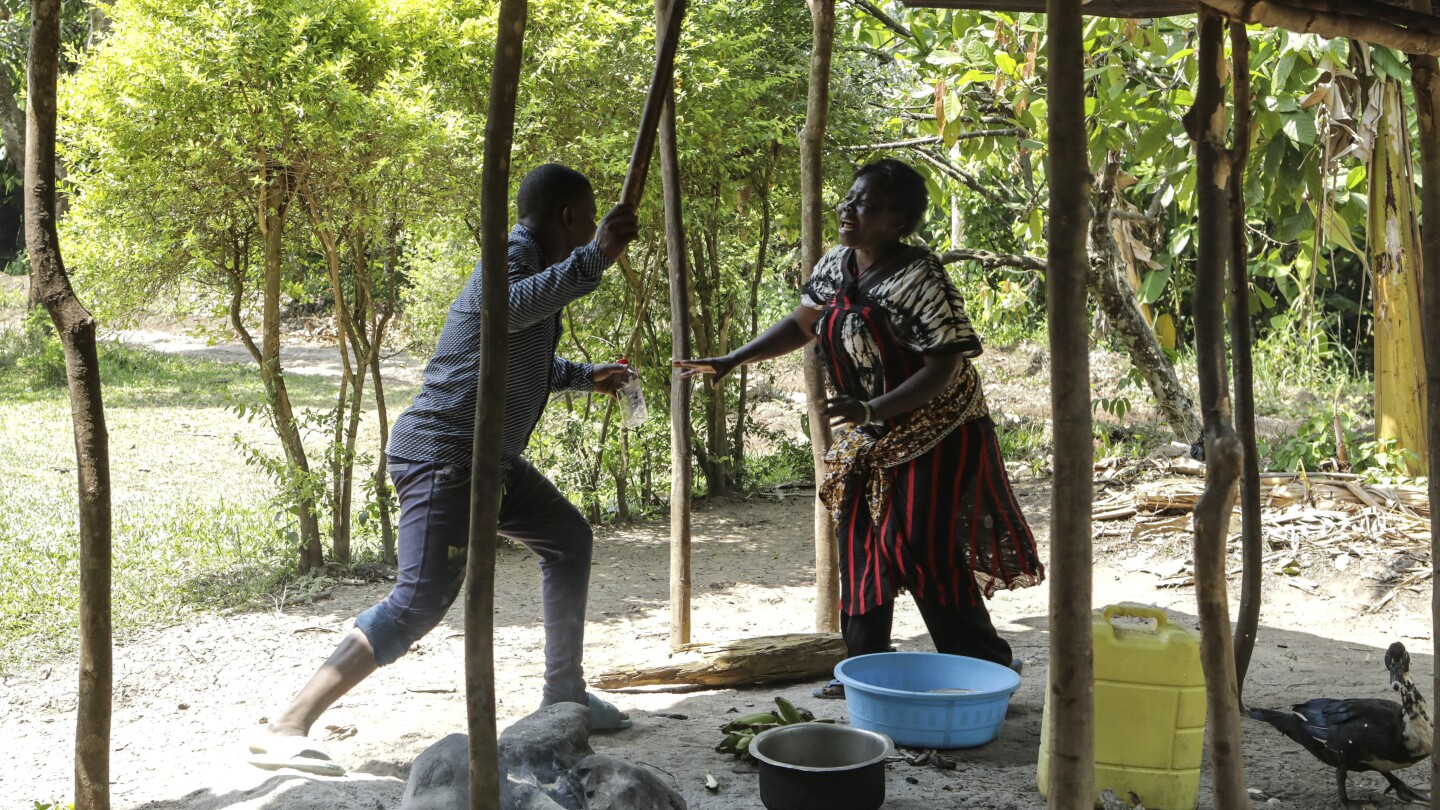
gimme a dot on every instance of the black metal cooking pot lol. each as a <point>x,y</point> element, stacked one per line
<point>819,766</point>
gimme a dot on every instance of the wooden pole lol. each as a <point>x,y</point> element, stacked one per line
<point>1223,451</point>
<point>1252,539</point>
<point>680,472</point>
<point>661,87</point>
<point>1425,76</point>
<point>76,329</point>
<point>812,236</point>
<point>1304,17</point>
<point>490,407</point>
<point>1072,663</point>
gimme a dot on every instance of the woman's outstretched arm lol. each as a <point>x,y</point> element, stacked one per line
<point>786,335</point>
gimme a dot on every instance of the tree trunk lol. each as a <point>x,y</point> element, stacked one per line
<point>621,473</point>
<point>1223,451</point>
<point>384,495</point>
<point>76,329</point>
<point>1251,532</point>
<point>1072,664</point>
<point>812,217</point>
<point>274,204</point>
<point>680,438</point>
<point>1393,238</point>
<point>12,118</point>
<point>1425,76</point>
<point>341,529</point>
<point>737,451</point>
<point>490,408</point>
<point>1116,298</point>
<point>350,338</point>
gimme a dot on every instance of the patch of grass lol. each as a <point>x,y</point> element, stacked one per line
<point>171,555</point>
<point>135,377</point>
<point>1022,439</point>
<point>194,528</point>
<point>788,463</point>
<point>12,296</point>
<point>1119,440</point>
<point>1288,383</point>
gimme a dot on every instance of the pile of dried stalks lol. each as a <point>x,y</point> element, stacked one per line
<point>1331,514</point>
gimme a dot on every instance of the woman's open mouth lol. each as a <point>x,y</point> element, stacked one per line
<point>847,226</point>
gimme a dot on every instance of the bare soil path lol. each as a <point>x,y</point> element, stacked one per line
<point>188,696</point>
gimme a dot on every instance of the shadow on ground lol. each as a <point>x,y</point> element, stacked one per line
<point>677,741</point>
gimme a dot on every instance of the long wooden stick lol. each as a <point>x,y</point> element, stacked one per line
<point>490,407</point>
<point>1425,76</point>
<point>1223,451</point>
<point>680,437</point>
<point>812,219</point>
<point>661,87</point>
<point>1072,663</point>
<point>1252,540</point>
<point>76,328</point>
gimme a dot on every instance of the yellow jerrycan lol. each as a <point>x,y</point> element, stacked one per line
<point>1149,709</point>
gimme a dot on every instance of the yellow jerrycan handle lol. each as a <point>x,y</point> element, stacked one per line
<point>1136,612</point>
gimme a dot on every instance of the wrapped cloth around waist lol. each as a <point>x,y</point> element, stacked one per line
<point>857,459</point>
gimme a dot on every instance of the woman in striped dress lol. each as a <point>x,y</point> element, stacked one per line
<point>915,481</point>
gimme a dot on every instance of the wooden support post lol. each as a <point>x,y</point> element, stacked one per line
<point>812,218</point>
<point>1223,451</point>
<point>76,329</point>
<point>490,407</point>
<point>1251,533</point>
<point>1072,663</point>
<point>680,472</point>
<point>1425,75</point>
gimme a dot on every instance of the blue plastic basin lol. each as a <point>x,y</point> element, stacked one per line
<point>904,695</point>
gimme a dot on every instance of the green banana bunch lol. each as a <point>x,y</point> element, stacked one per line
<point>740,732</point>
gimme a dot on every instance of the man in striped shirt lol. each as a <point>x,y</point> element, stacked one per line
<point>556,255</point>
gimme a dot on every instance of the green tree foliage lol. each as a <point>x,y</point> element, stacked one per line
<point>740,99</point>
<point>966,72</point>
<point>370,112</point>
<point>179,124</point>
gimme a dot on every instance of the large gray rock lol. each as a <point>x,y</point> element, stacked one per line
<point>527,797</point>
<point>614,784</point>
<point>538,755</point>
<point>545,743</point>
<point>440,777</point>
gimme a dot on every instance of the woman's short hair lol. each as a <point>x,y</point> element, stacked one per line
<point>904,187</point>
<point>548,189</point>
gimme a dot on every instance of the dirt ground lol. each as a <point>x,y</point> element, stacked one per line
<point>188,696</point>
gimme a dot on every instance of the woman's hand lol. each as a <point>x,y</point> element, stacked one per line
<point>842,410</point>
<point>716,366</point>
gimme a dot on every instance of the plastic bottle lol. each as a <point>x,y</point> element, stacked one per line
<point>632,400</point>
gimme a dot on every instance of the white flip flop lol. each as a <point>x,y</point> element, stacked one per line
<point>273,753</point>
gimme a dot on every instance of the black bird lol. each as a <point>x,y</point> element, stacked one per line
<point>1364,734</point>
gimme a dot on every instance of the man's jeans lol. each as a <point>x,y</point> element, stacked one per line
<point>433,533</point>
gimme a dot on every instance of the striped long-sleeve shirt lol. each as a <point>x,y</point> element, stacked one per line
<point>439,425</point>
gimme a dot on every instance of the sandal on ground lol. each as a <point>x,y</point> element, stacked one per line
<point>297,753</point>
<point>604,716</point>
<point>834,690</point>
